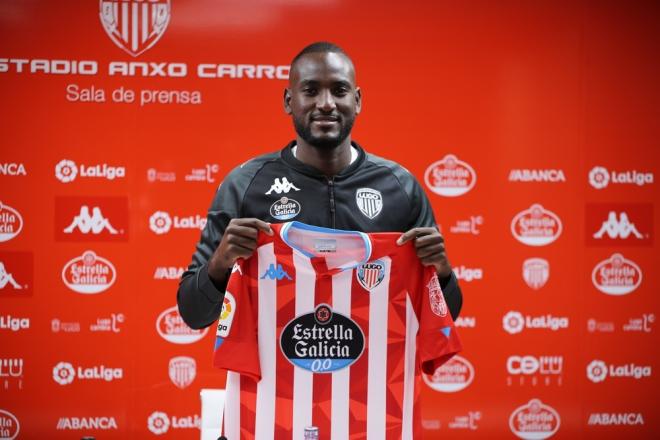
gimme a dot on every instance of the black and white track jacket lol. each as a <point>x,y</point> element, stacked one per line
<point>371,195</point>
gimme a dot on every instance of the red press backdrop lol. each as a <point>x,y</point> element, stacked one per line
<point>533,126</point>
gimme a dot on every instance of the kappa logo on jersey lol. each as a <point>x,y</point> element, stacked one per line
<point>369,202</point>
<point>135,25</point>
<point>536,226</point>
<point>323,341</point>
<point>600,177</point>
<point>64,373</point>
<point>89,274</point>
<point>11,222</point>
<point>9,425</point>
<point>16,272</point>
<point>159,422</point>
<point>182,371</point>
<point>161,223</point>
<point>436,298</point>
<point>91,219</point>
<point>617,224</point>
<point>535,272</point>
<point>450,177</point>
<point>282,186</point>
<point>370,274</point>
<point>275,273</point>
<point>12,169</point>
<point>285,209</point>
<point>171,327</point>
<point>616,276</point>
<point>454,375</point>
<point>540,175</point>
<point>66,171</point>
<point>514,322</point>
<point>534,421</point>
<point>86,423</point>
<point>598,371</point>
<point>226,317</point>
<point>616,419</point>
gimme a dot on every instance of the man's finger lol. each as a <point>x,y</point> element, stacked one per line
<point>414,233</point>
<point>258,224</point>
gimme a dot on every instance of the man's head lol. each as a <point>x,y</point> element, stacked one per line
<point>322,96</point>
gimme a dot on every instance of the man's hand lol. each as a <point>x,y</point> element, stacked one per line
<point>238,241</point>
<point>430,246</point>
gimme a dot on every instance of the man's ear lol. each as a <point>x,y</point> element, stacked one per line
<point>358,100</point>
<point>287,101</point>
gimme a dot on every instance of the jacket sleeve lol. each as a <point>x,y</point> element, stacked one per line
<point>424,218</point>
<point>199,299</point>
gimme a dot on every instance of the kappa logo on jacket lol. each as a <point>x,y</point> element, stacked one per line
<point>282,186</point>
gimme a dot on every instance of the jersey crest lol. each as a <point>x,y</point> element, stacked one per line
<point>369,275</point>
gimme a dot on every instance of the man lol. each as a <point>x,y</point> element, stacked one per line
<point>322,178</point>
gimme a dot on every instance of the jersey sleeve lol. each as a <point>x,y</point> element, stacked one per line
<point>437,339</point>
<point>236,347</point>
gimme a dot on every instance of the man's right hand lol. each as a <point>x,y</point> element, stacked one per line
<point>238,241</point>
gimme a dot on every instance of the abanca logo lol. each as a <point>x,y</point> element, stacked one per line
<point>536,226</point>
<point>450,177</point>
<point>452,376</point>
<point>89,274</point>
<point>616,276</point>
<point>534,421</point>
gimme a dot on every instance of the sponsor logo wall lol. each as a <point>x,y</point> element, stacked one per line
<point>122,125</point>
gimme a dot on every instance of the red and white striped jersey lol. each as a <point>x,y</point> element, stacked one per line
<point>332,329</point>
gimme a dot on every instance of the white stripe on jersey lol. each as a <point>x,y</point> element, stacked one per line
<point>377,377</point>
<point>341,303</point>
<point>412,326</point>
<point>303,380</point>
<point>267,337</point>
<point>232,417</point>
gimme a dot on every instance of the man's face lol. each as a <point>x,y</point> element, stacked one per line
<point>322,98</point>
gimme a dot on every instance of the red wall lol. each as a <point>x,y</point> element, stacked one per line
<point>503,86</point>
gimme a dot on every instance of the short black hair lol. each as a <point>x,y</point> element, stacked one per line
<point>320,47</point>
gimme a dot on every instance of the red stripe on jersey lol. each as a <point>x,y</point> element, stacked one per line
<point>286,309</point>
<point>360,369</point>
<point>396,354</point>
<point>248,407</point>
<point>321,410</point>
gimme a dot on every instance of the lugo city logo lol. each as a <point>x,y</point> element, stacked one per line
<point>323,341</point>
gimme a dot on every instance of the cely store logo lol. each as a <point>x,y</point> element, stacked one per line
<point>135,25</point>
<point>322,341</point>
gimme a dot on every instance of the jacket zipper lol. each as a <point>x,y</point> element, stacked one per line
<point>331,193</point>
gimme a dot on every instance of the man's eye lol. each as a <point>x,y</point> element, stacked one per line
<point>341,91</point>
<point>309,91</point>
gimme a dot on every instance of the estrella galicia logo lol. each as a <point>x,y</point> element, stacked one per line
<point>323,341</point>
<point>370,274</point>
<point>285,209</point>
<point>275,273</point>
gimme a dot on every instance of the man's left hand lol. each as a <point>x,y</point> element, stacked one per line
<point>430,247</point>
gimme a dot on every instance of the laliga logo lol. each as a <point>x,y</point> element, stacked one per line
<point>452,376</point>
<point>9,425</point>
<point>513,322</point>
<point>158,422</point>
<point>534,421</point>
<point>66,171</point>
<point>450,177</point>
<point>160,222</point>
<point>135,25</point>
<point>63,373</point>
<point>536,226</point>
<point>599,177</point>
<point>616,276</point>
<point>597,371</point>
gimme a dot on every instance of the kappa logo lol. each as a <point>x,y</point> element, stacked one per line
<point>536,226</point>
<point>600,177</point>
<point>370,274</point>
<point>282,186</point>
<point>7,279</point>
<point>9,425</point>
<point>535,272</point>
<point>182,371</point>
<point>534,421</point>
<point>450,177</point>
<point>135,25</point>
<point>453,376</point>
<point>369,201</point>
<point>616,224</point>
<point>86,223</point>
<point>11,222</point>
<point>616,275</point>
<point>275,273</point>
<point>91,219</point>
<point>66,171</point>
<point>16,273</point>
<point>618,228</point>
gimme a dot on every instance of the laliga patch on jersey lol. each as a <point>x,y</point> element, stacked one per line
<point>369,201</point>
<point>370,274</point>
<point>322,341</point>
<point>438,304</point>
<point>226,315</point>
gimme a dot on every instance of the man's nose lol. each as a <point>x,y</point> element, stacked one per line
<point>325,101</point>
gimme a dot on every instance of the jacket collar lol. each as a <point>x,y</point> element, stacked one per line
<point>291,161</point>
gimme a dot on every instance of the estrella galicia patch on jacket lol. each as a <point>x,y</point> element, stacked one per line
<point>226,315</point>
<point>369,201</point>
<point>323,341</point>
<point>285,209</point>
<point>370,274</point>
